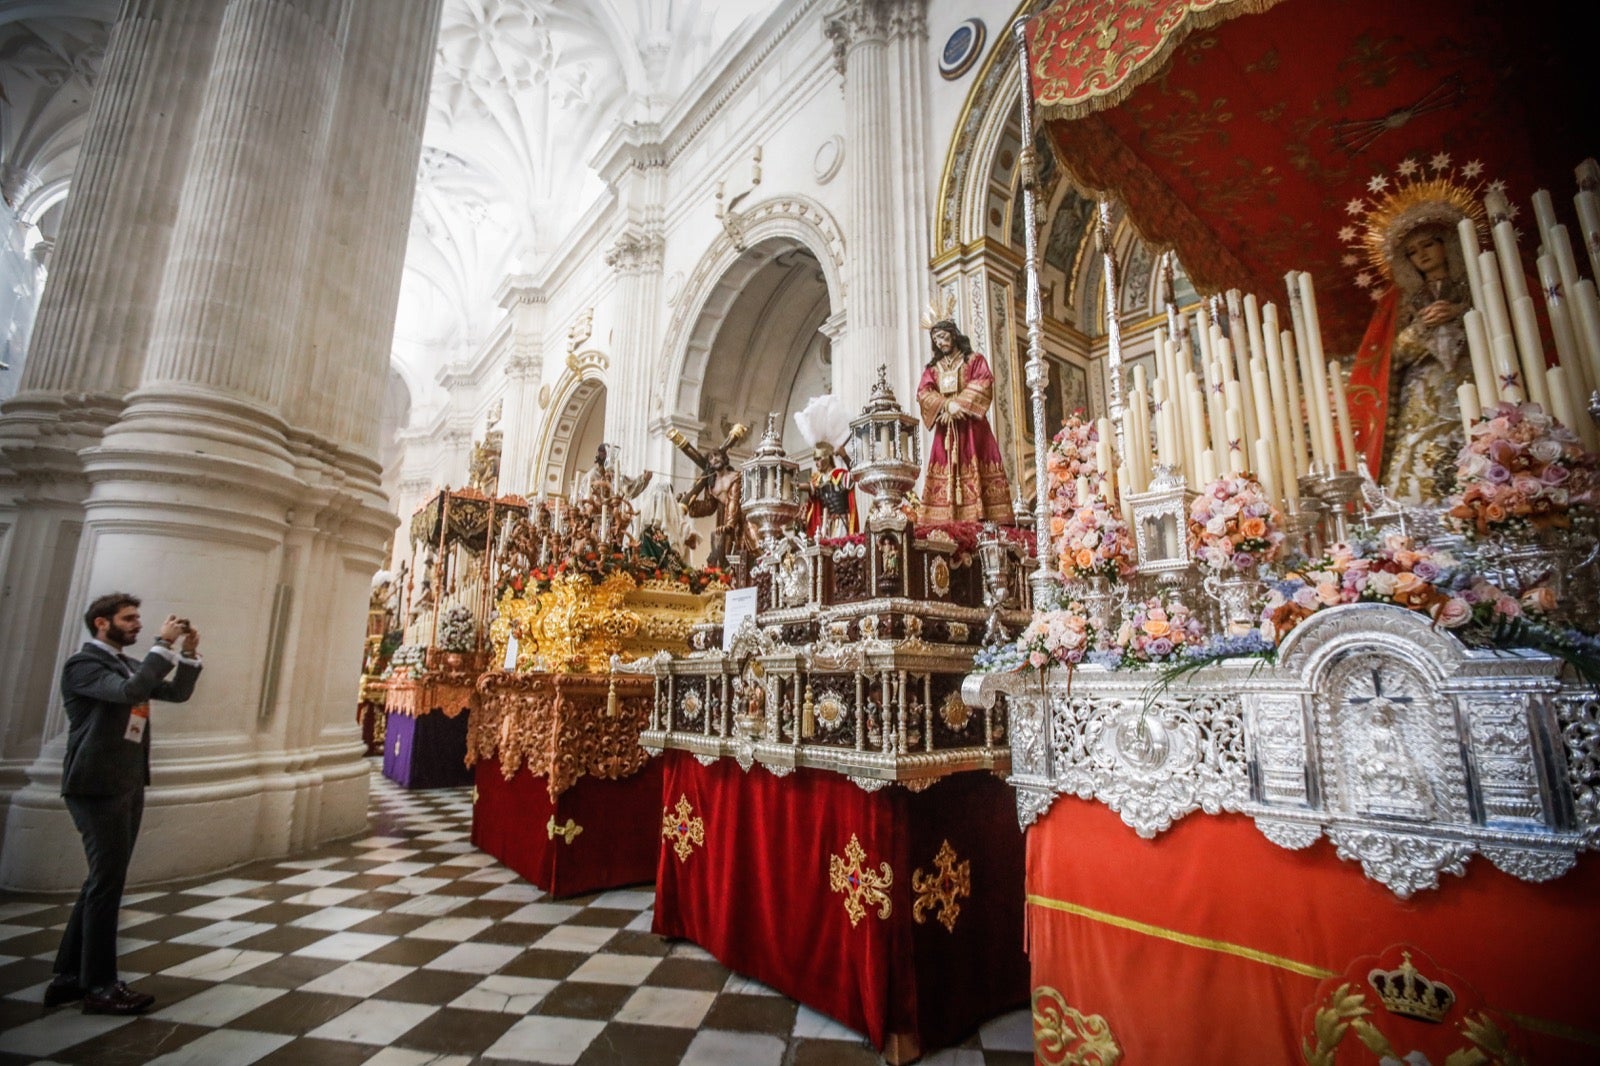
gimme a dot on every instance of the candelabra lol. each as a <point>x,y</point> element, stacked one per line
<point>887,453</point>
<point>768,493</point>
<point>996,582</point>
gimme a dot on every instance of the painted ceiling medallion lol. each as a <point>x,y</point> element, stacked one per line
<point>962,49</point>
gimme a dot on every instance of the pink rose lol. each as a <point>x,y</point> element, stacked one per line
<point>1454,613</point>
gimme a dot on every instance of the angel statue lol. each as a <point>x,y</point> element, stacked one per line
<point>966,479</point>
<point>1414,354</point>
<point>830,509</point>
<point>717,492</point>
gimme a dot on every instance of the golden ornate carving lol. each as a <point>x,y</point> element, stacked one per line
<point>1345,1011</point>
<point>947,883</point>
<point>568,832</point>
<point>558,726</point>
<point>862,888</point>
<point>682,828</point>
<point>1065,1036</point>
<point>577,625</point>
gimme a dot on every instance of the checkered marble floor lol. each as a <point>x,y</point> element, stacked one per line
<point>410,947</point>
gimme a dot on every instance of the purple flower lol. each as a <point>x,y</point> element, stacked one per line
<point>1160,646</point>
<point>1498,474</point>
<point>1553,474</point>
<point>1243,560</point>
<point>1426,571</point>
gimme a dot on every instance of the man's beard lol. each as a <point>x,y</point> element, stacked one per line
<point>118,636</point>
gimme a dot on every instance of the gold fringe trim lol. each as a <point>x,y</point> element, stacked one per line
<point>1193,21</point>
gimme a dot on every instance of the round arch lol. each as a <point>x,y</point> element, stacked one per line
<point>755,238</point>
<point>576,401</point>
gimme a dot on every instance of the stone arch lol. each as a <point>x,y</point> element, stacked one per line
<point>577,397</point>
<point>778,224</point>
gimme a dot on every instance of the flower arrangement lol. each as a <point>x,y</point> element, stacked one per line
<point>1397,571</point>
<point>407,663</point>
<point>1521,471</point>
<point>1158,631</point>
<point>1093,542</point>
<point>1072,455</point>
<point>457,629</point>
<point>1063,635</point>
<point>1233,528</point>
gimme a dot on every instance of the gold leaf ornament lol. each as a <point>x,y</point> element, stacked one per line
<point>1065,1036</point>
<point>942,887</point>
<point>862,887</point>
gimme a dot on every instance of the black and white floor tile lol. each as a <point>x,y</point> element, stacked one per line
<point>409,947</point>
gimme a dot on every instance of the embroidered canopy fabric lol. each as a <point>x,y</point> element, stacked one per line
<point>1238,141</point>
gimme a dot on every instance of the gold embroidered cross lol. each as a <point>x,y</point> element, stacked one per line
<point>684,832</point>
<point>861,887</point>
<point>942,887</point>
<point>568,832</point>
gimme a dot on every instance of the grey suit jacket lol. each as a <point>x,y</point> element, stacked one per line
<point>100,690</point>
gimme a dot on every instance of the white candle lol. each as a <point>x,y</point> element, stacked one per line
<point>1130,439</point>
<point>1467,397</point>
<point>1208,466</point>
<point>1341,410</point>
<point>1526,326</point>
<point>1561,331</point>
<point>1299,424</point>
<point>1266,470</point>
<point>1102,457</point>
<point>1124,504</point>
<point>1505,248</point>
<point>1247,400</point>
<point>1586,304</point>
<point>1195,425</point>
<point>1482,362</point>
<point>1235,441</point>
<point>1215,405</point>
<point>1469,255</point>
<point>1567,268</point>
<point>1261,396</point>
<point>1308,306</point>
<point>1588,205</point>
<point>1081,490</point>
<point>1502,348</point>
<point>1202,330</point>
<point>1283,436</point>
<point>1561,405</point>
<point>1544,214</point>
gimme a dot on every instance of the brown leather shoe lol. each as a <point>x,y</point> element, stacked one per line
<point>117,999</point>
<point>62,990</point>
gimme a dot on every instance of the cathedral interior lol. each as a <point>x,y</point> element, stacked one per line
<point>762,531</point>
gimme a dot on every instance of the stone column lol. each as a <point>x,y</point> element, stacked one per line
<point>222,491</point>
<point>88,344</point>
<point>525,303</point>
<point>633,162</point>
<point>877,46</point>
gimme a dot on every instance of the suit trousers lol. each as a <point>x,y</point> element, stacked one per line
<point>109,825</point>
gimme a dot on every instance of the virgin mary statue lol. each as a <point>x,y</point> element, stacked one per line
<point>1414,353</point>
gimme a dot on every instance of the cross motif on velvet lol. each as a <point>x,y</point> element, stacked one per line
<point>862,888</point>
<point>942,887</point>
<point>685,831</point>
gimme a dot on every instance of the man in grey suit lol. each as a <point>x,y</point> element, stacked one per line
<point>107,696</point>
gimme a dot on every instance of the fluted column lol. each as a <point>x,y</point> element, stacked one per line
<point>88,344</point>
<point>223,491</point>
<point>884,268</point>
<point>525,366</point>
<point>633,162</point>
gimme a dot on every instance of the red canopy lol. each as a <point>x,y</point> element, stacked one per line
<point>1238,141</point>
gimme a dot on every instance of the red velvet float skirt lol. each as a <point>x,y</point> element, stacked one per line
<point>596,835</point>
<point>1210,944</point>
<point>896,913</point>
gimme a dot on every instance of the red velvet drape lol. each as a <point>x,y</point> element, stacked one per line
<point>755,893</point>
<point>1210,944</point>
<point>620,821</point>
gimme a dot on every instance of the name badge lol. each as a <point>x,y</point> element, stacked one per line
<point>138,718</point>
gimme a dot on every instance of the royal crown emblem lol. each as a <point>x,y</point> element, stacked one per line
<point>1406,992</point>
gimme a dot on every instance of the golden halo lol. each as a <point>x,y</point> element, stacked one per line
<point>1399,204</point>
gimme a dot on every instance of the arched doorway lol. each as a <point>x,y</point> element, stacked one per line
<point>574,425</point>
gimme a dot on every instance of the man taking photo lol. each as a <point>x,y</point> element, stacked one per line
<point>107,696</point>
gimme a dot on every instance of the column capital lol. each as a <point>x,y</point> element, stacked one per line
<point>872,21</point>
<point>630,146</point>
<point>637,251</point>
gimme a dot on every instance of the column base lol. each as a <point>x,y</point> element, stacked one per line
<point>191,829</point>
